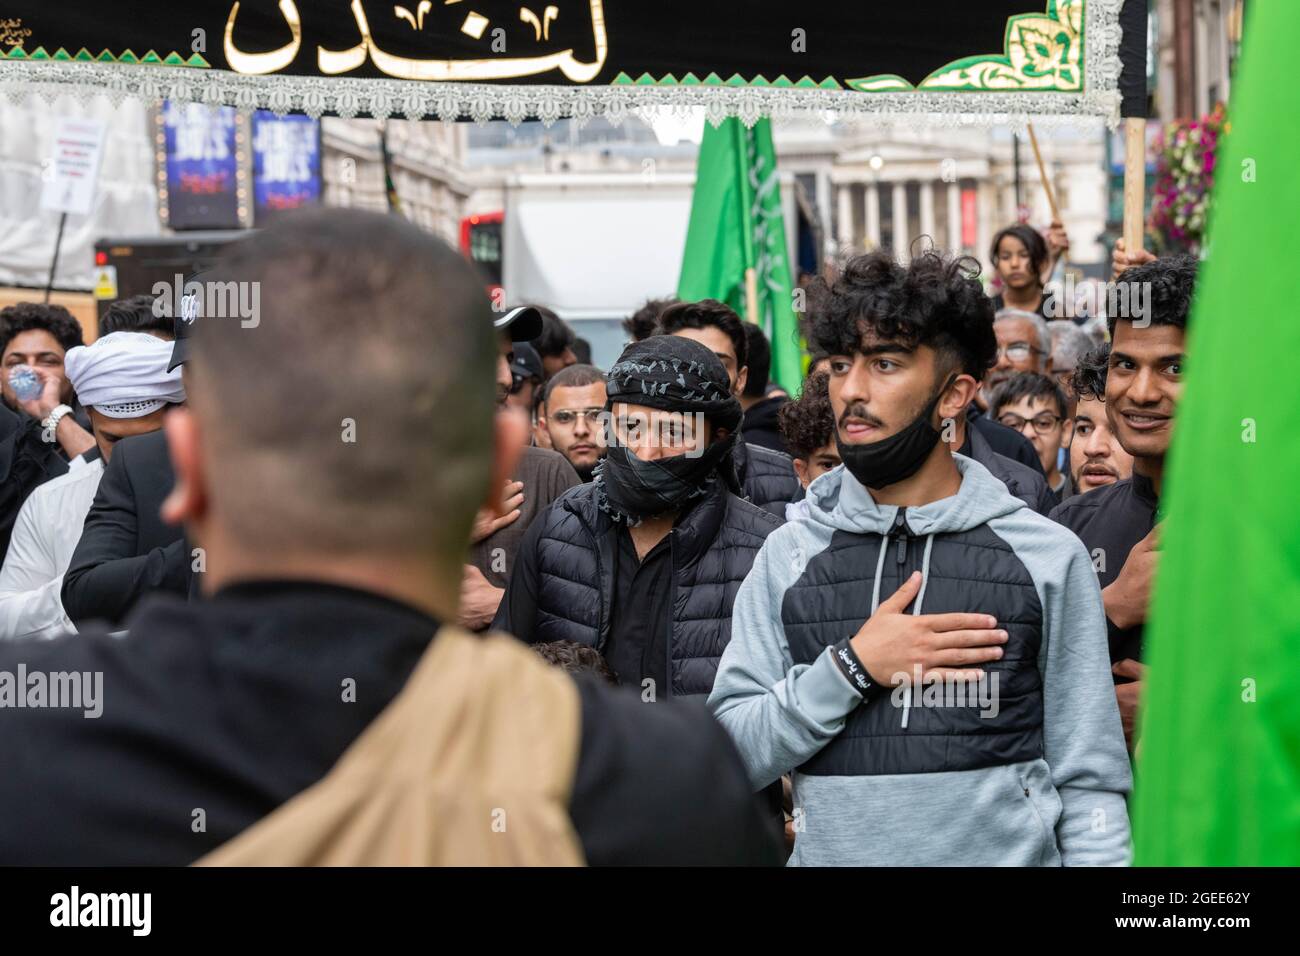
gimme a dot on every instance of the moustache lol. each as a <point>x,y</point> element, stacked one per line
<point>859,411</point>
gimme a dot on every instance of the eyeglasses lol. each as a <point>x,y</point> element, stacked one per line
<point>1018,351</point>
<point>567,416</point>
<point>1043,422</point>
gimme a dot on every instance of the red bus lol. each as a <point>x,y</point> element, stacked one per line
<point>480,242</point>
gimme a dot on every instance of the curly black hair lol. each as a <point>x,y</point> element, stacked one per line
<point>1172,280</point>
<point>26,316</point>
<point>935,300</point>
<point>574,658</point>
<point>1089,378</point>
<point>706,314</point>
<point>641,323</point>
<point>808,423</point>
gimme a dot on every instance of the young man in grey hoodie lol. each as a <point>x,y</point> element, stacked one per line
<point>922,652</point>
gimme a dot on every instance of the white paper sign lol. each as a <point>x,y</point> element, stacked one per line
<point>74,167</point>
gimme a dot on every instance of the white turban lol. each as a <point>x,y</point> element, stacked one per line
<point>124,374</point>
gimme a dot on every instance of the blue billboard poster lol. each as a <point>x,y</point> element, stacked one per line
<point>202,165</point>
<point>286,164</point>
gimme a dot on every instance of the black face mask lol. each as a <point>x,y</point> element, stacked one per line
<point>631,490</point>
<point>896,458</point>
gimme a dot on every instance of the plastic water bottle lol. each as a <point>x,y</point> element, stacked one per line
<point>25,382</point>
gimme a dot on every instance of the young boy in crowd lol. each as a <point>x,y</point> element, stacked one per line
<point>1035,406</point>
<point>808,427</point>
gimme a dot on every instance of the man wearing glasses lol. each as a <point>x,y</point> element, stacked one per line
<point>571,415</point>
<point>1005,452</point>
<point>1023,346</point>
<point>1035,406</point>
<point>1016,352</point>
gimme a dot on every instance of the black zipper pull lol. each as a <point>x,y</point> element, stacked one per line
<point>900,532</point>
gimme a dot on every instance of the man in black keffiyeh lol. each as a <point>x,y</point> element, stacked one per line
<point>644,562</point>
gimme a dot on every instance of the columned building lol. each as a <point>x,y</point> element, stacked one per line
<point>883,203</point>
<point>875,187</point>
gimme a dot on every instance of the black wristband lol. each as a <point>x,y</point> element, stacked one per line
<point>847,661</point>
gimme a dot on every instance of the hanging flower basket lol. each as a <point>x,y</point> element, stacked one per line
<point>1184,181</point>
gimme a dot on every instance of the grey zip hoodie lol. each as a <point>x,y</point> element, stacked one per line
<point>1067,808</point>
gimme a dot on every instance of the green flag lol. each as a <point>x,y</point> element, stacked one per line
<point>1218,777</point>
<point>736,225</point>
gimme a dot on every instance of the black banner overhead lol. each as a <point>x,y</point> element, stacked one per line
<point>580,58</point>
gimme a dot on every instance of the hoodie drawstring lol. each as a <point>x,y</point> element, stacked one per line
<point>916,609</point>
<point>925,572</point>
<point>880,567</point>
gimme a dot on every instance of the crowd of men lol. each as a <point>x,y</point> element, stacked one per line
<point>893,618</point>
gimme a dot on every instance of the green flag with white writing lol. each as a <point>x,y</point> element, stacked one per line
<point>737,225</point>
<point>1218,775</point>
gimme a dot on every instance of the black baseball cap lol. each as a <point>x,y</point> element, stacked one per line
<point>184,315</point>
<point>523,322</point>
<point>527,364</point>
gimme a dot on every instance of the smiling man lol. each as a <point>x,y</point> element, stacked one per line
<point>922,651</point>
<point>1118,524</point>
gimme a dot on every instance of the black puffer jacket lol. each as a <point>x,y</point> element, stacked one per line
<point>766,476</point>
<point>968,568</point>
<point>567,561</point>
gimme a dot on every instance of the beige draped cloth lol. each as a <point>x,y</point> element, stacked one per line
<point>472,764</point>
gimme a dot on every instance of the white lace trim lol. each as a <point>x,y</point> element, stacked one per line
<point>349,97</point>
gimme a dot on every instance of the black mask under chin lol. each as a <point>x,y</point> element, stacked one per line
<point>630,490</point>
<point>898,457</point>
